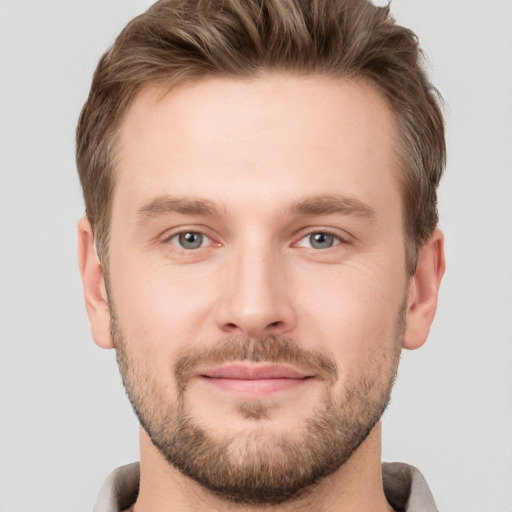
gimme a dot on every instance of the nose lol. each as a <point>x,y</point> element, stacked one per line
<point>257,299</point>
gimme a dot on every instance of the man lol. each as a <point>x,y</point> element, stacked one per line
<point>260,242</point>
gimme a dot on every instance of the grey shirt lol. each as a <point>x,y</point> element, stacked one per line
<point>405,488</point>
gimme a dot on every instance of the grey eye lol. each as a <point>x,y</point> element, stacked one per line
<point>319,240</point>
<point>189,240</point>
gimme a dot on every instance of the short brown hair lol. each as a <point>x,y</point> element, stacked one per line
<point>178,40</point>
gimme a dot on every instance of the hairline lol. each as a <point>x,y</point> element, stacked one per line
<point>403,163</point>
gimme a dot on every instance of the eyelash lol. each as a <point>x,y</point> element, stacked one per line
<point>191,232</point>
<point>208,240</point>
<point>339,240</point>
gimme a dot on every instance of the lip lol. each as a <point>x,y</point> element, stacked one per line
<point>255,380</point>
<point>253,372</point>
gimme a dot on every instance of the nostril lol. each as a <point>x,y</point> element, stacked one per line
<point>274,324</point>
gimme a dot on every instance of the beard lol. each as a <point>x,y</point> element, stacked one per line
<point>256,466</point>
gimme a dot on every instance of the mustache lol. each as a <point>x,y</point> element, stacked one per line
<point>271,349</point>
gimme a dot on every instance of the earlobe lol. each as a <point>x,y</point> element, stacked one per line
<point>423,291</point>
<point>95,293</point>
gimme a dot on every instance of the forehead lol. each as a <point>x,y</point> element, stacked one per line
<point>276,132</point>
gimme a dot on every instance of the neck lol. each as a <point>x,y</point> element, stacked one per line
<point>356,486</point>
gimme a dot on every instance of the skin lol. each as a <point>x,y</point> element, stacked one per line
<point>253,150</point>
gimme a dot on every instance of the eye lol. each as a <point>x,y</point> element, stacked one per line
<point>319,240</point>
<point>190,240</point>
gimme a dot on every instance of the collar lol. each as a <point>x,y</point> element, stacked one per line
<point>404,486</point>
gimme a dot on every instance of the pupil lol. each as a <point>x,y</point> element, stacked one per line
<point>322,240</point>
<point>191,240</point>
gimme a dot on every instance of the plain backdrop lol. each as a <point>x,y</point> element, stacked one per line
<point>65,422</point>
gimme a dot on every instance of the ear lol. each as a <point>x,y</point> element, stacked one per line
<point>95,292</point>
<point>423,291</point>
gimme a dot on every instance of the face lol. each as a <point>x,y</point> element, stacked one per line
<point>257,277</point>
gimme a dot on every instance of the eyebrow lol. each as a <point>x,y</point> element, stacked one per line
<point>315,205</point>
<point>332,204</point>
<point>166,204</point>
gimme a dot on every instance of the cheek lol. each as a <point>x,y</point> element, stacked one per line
<point>159,309</point>
<point>354,312</point>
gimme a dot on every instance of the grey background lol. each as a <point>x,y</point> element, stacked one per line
<point>65,423</point>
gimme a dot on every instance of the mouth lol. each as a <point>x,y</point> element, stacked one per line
<point>253,380</point>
